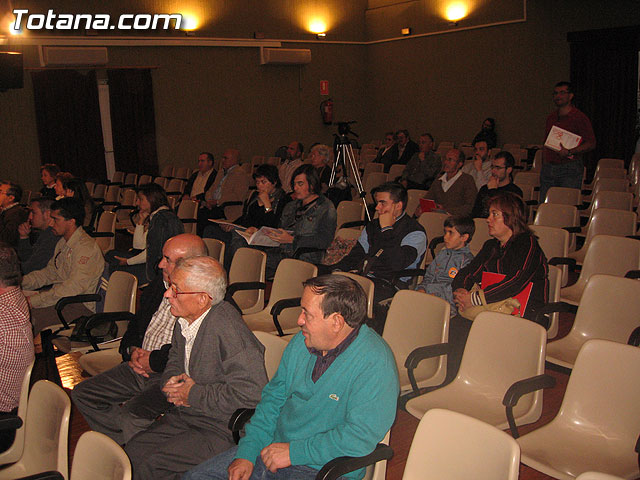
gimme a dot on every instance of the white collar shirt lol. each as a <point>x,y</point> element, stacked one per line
<point>189,332</point>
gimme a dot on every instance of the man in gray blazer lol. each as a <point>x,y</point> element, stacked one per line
<point>215,366</point>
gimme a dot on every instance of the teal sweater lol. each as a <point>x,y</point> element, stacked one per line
<point>346,412</point>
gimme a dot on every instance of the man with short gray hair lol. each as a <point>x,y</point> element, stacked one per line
<point>215,366</point>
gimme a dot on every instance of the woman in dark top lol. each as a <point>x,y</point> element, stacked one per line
<point>514,252</point>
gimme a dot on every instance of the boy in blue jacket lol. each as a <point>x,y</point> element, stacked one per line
<point>458,232</point>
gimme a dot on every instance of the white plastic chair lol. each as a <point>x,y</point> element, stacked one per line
<point>14,452</point>
<point>98,457</point>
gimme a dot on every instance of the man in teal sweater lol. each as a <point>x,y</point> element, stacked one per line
<point>334,393</point>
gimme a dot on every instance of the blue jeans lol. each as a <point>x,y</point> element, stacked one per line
<point>560,175</point>
<point>216,469</point>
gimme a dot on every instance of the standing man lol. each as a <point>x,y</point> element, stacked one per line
<point>116,402</point>
<point>38,225</point>
<point>480,167</point>
<point>290,164</point>
<point>201,180</point>
<point>75,268</point>
<point>423,167</point>
<point>12,215</point>
<point>501,180</point>
<point>334,393</point>
<point>216,365</point>
<point>16,339</point>
<point>566,167</point>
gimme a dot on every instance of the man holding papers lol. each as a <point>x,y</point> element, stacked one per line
<point>568,135</point>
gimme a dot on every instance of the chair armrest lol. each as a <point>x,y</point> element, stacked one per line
<point>229,204</point>
<point>634,274</point>
<point>571,262</point>
<point>634,338</point>
<point>9,421</point>
<point>102,204</point>
<point>573,229</point>
<point>50,475</point>
<point>422,353</point>
<point>63,302</point>
<point>238,420</point>
<point>174,192</point>
<point>520,388</point>
<point>409,272</point>
<point>237,286</point>
<point>101,234</point>
<point>98,319</point>
<point>189,220</point>
<point>341,465</point>
<point>635,237</point>
<point>435,241</point>
<point>278,307</point>
<point>356,223</point>
<point>551,308</point>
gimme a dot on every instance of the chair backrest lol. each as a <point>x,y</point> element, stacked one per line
<point>372,167</point>
<point>188,210</point>
<point>215,248</point>
<point>162,181</point>
<point>555,284</point>
<point>248,265</point>
<point>527,178</point>
<point>373,179</point>
<point>112,194</point>
<point>14,452</point>
<point>601,399</point>
<point>181,173</point>
<point>128,197</point>
<point>416,319</point>
<point>368,287</point>
<point>118,177</point>
<point>396,170</point>
<point>500,350</point>
<point>606,221</point>
<point>597,476</point>
<point>144,179</point>
<point>47,433</point>
<point>349,211</point>
<point>451,446</point>
<point>175,185</point>
<point>273,349</point>
<point>554,243</point>
<point>167,171</point>
<point>480,235</point>
<point>564,196</point>
<point>556,215</point>
<point>99,190</point>
<point>603,295</point>
<point>121,293</point>
<point>610,163</point>
<point>433,224</point>
<point>615,200</point>
<point>610,172</point>
<point>106,224</point>
<point>609,255</point>
<point>98,457</point>
<point>611,185</point>
<point>413,199</point>
<point>90,186</point>
<point>287,283</point>
<point>131,179</point>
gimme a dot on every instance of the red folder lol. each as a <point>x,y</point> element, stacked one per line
<point>489,278</point>
<point>427,205</point>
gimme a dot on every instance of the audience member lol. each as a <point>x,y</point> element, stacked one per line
<point>215,366</point>
<point>76,188</point>
<point>37,241</point>
<point>423,167</point>
<point>458,232</point>
<point>387,154</point>
<point>480,167</point>
<point>334,393</point>
<point>48,174</point>
<point>59,188</point>
<point>307,222</point>
<point>487,133</point>
<point>320,157</point>
<point>405,148</point>
<point>75,268</point>
<point>455,191</point>
<point>501,180</point>
<point>115,402</point>
<point>565,168</point>
<point>201,180</point>
<point>514,252</point>
<point>16,339</point>
<point>290,164</point>
<point>391,243</point>
<point>231,185</point>
<point>12,214</point>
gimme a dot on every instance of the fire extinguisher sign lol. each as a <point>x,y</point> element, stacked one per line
<point>324,87</point>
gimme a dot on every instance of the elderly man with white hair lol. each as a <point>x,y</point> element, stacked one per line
<point>215,366</point>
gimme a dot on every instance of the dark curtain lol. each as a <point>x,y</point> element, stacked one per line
<point>133,121</point>
<point>68,121</point>
<point>604,72</point>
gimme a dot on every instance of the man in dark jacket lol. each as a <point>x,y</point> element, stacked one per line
<point>202,179</point>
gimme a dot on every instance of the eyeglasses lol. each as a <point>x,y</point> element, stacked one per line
<point>497,167</point>
<point>561,92</point>
<point>174,291</point>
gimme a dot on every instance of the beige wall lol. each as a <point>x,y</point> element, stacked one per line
<point>214,97</point>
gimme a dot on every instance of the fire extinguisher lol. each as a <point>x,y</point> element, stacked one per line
<point>326,109</point>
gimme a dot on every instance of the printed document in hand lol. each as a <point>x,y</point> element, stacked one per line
<point>559,135</point>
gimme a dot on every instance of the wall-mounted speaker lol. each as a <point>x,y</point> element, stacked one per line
<point>10,70</point>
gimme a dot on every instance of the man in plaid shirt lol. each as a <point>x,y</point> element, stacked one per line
<point>99,398</point>
<point>16,339</point>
